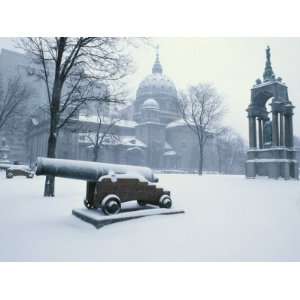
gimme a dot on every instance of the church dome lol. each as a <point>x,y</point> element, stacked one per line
<point>156,83</point>
<point>151,104</point>
<point>159,87</point>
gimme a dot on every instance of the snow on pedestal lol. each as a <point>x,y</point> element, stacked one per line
<point>98,219</point>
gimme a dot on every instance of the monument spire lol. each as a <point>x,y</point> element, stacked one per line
<point>268,73</point>
<point>157,68</point>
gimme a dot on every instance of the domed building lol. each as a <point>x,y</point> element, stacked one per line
<point>170,143</point>
<point>148,132</point>
<point>159,87</point>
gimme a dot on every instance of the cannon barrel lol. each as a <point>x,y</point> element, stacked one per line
<point>86,170</point>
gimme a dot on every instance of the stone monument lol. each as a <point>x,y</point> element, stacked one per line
<point>271,143</point>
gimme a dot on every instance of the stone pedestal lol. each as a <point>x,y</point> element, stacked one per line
<point>98,219</point>
<point>279,162</point>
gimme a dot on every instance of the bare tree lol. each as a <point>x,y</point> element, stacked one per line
<point>231,151</point>
<point>105,129</point>
<point>202,109</point>
<point>13,96</point>
<point>72,69</point>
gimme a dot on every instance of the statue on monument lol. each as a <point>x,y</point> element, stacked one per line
<point>268,133</point>
<point>268,53</point>
<point>268,73</point>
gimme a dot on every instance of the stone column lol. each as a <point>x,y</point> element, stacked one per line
<point>274,129</point>
<point>252,132</point>
<point>289,135</point>
<point>263,125</point>
<point>291,132</point>
<point>281,138</point>
<point>260,133</point>
<point>287,130</point>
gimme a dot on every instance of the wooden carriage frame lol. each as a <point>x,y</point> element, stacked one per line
<point>111,191</point>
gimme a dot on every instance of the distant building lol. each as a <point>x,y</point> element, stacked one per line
<point>149,132</point>
<point>13,64</point>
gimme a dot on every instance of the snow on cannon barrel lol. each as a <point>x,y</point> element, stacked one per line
<point>86,170</point>
<point>109,185</point>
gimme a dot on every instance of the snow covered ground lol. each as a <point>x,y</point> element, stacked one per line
<point>228,218</point>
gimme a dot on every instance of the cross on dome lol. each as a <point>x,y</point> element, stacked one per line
<point>157,68</point>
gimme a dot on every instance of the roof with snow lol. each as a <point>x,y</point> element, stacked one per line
<point>107,121</point>
<point>167,146</point>
<point>109,139</point>
<point>170,153</point>
<point>131,140</point>
<point>182,123</point>
<point>134,149</point>
<point>177,123</point>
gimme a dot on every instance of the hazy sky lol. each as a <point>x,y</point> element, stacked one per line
<point>231,64</point>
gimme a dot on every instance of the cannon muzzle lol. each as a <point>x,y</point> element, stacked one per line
<point>86,170</point>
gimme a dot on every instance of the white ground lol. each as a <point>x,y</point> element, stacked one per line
<point>228,218</point>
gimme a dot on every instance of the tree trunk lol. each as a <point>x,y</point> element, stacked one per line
<point>49,189</point>
<point>201,148</point>
<point>96,149</point>
<point>200,169</point>
<point>219,160</point>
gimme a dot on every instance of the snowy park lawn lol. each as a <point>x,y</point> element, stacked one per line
<point>228,218</point>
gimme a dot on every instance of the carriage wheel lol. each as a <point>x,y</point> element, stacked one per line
<point>9,175</point>
<point>88,205</point>
<point>165,201</point>
<point>111,205</point>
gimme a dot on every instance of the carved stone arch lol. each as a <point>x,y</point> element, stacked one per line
<point>260,99</point>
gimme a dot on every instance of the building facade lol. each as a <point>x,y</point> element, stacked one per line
<point>148,132</point>
<point>151,131</point>
<point>15,132</point>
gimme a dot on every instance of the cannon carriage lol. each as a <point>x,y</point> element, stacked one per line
<point>109,185</point>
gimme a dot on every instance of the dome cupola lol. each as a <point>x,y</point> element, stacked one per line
<point>156,83</point>
<point>150,111</point>
<point>150,104</point>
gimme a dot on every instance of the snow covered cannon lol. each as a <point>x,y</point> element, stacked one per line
<point>109,185</point>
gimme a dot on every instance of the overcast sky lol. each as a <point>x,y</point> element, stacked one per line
<point>231,64</point>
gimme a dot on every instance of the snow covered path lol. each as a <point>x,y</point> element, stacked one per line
<point>228,218</point>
